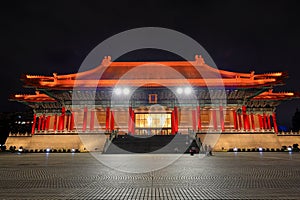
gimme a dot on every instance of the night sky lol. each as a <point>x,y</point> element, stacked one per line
<point>42,37</point>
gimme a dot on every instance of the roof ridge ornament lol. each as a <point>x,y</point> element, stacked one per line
<point>252,75</point>
<point>55,77</point>
<point>106,61</point>
<point>199,60</point>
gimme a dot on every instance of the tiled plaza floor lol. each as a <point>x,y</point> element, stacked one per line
<point>80,176</point>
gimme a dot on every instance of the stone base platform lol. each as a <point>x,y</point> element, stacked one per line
<point>96,142</point>
<point>83,142</point>
<point>225,141</point>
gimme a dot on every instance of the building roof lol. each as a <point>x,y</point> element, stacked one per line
<point>270,95</point>
<point>153,74</point>
<point>265,96</point>
<point>32,98</point>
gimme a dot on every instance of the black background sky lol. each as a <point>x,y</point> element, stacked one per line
<point>42,37</point>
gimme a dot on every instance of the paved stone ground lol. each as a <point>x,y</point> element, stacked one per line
<point>81,176</point>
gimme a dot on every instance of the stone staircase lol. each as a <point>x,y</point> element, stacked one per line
<point>152,144</point>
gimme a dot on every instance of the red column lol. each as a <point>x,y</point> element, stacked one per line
<point>248,122</point>
<point>68,123</point>
<point>112,121</point>
<point>176,119</point>
<point>43,122</point>
<point>47,123</point>
<point>173,122</point>
<point>194,119</point>
<point>274,122</point>
<point>63,113</point>
<point>222,118</point>
<point>129,120</point>
<point>132,121</point>
<point>252,122</point>
<point>269,121</point>
<point>72,122</point>
<point>235,124</point>
<point>107,113</point>
<point>92,120</point>
<point>40,121</point>
<point>264,121</point>
<point>199,117</point>
<point>61,119</point>
<point>240,121</point>
<point>214,118</point>
<point>33,124</point>
<point>245,118</point>
<point>55,122</point>
<point>85,110</point>
<point>260,121</point>
<point>59,128</point>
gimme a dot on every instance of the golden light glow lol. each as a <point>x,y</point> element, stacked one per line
<point>153,120</point>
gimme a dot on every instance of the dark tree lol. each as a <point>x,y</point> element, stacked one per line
<point>15,122</point>
<point>296,121</point>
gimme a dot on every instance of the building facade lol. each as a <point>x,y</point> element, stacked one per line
<point>154,98</point>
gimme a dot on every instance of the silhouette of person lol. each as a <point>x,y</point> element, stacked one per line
<point>209,150</point>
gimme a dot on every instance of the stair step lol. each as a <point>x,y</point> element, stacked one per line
<point>152,144</point>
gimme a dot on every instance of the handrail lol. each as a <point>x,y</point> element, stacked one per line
<point>109,140</point>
